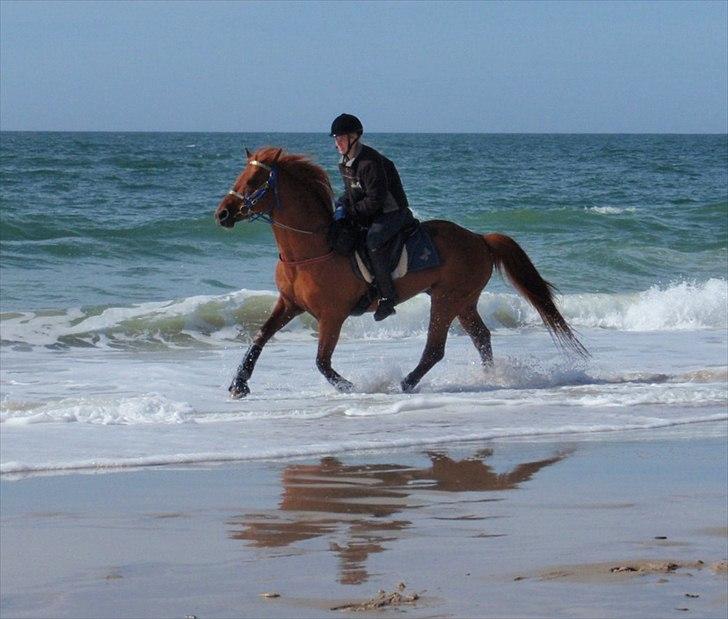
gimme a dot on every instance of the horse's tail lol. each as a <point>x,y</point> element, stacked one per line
<point>509,257</point>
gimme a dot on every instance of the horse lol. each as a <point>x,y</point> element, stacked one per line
<point>295,196</point>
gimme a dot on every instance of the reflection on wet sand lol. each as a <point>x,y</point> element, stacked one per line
<point>359,502</point>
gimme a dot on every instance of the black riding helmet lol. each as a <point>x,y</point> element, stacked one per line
<point>346,123</point>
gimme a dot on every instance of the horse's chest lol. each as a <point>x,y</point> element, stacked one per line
<point>299,286</point>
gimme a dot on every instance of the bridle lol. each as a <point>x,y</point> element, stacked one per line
<point>250,200</point>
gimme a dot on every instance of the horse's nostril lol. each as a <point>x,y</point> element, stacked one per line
<point>223,215</point>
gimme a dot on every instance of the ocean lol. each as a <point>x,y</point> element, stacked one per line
<point>124,308</point>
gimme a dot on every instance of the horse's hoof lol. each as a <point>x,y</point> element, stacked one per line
<point>238,389</point>
<point>344,386</point>
<point>408,386</point>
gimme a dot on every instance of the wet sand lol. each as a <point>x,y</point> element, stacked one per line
<point>506,529</point>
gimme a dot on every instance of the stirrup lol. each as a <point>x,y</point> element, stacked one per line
<point>384,309</point>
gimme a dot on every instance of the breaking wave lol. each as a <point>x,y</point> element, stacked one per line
<point>211,321</point>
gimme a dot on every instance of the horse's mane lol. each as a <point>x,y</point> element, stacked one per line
<point>303,170</point>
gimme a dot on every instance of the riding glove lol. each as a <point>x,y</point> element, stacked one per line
<point>340,209</point>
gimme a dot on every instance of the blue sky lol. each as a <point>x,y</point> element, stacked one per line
<point>401,66</point>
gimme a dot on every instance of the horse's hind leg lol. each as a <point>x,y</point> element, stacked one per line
<point>441,315</point>
<point>478,332</point>
<point>282,314</point>
<point>329,330</point>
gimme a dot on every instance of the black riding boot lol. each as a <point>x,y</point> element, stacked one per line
<point>383,280</point>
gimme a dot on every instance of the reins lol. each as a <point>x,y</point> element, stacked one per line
<point>249,201</point>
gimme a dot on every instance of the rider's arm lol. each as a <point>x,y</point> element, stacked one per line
<point>373,181</point>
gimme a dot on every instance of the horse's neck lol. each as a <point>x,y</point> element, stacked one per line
<point>298,216</point>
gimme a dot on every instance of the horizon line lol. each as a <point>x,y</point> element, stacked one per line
<point>181,131</point>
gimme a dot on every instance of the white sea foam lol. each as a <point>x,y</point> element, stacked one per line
<point>611,210</point>
<point>680,306</point>
<point>142,409</point>
<point>511,382</point>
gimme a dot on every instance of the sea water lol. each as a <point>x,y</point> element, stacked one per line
<point>125,309</point>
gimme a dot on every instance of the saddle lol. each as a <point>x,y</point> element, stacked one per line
<point>410,250</point>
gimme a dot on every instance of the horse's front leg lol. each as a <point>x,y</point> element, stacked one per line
<point>329,330</point>
<point>283,313</point>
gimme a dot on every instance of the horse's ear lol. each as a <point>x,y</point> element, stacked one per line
<point>248,154</point>
<point>278,154</point>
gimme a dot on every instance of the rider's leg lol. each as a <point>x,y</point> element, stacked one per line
<point>380,233</point>
<point>387,292</point>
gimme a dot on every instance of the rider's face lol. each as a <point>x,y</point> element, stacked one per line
<point>343,141</point>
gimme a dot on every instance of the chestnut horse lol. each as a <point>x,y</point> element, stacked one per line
<point>295,196</point>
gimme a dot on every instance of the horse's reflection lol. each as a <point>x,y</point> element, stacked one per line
<point>357,503</point>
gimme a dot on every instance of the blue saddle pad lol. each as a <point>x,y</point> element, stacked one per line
<point>421,251</point>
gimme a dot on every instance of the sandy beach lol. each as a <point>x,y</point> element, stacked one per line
<point>505,529</point>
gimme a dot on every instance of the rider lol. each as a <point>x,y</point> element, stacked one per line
<point>374,198</point>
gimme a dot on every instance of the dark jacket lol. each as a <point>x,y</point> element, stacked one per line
<point>372,186</point>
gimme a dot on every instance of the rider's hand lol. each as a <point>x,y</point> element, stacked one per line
<point>340,209</point>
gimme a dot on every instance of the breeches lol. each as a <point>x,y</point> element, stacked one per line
<point>385,227</point>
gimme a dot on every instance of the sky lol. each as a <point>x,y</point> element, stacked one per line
<point>401,66</point>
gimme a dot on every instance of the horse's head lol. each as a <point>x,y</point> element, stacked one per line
<point>249,194</point>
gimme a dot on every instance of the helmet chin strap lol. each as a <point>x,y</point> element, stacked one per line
<point>350,146</point>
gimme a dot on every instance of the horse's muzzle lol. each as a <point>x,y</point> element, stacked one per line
<point>224,218</point>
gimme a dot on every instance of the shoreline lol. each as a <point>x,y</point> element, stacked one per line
<point>711,426</point>
<point>487,529</point>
